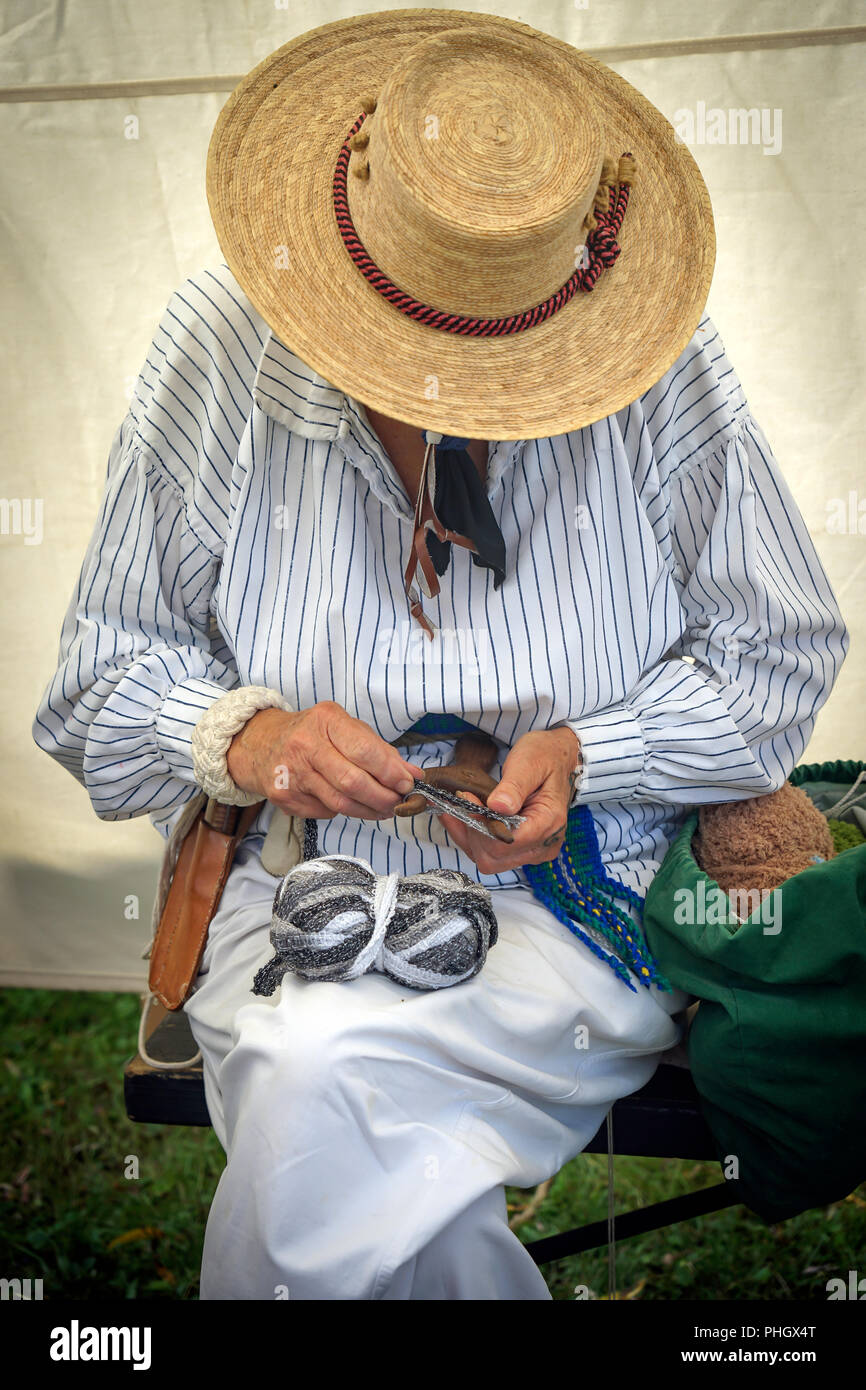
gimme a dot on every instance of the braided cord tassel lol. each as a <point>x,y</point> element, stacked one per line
<point>576,888</point>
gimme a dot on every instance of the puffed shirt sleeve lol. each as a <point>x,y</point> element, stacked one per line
<point>729,710</point>
<point>137,665</point>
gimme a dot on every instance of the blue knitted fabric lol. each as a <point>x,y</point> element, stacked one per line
<point>430,725</point>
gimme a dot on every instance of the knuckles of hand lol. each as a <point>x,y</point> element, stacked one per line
<point>300,750</point>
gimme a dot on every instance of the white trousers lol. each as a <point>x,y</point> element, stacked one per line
<point>370,1129</point>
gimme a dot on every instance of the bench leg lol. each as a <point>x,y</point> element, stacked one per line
<point>636,1223</point>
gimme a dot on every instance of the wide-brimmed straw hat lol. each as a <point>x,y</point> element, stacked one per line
<point>462,222</point>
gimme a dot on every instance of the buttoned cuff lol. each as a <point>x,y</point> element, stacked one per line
<point>182,707</point>
<point>614,752</point>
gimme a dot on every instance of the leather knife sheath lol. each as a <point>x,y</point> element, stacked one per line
<point>201,873</point>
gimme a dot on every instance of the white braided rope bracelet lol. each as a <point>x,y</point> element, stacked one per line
<point>212,735</point>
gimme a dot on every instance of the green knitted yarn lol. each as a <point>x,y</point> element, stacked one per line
<point>845,836</point>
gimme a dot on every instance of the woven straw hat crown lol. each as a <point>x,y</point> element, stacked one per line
<point>472,180</point>
<point>458,163</point>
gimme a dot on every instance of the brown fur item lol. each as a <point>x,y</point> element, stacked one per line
<point>758,843</point>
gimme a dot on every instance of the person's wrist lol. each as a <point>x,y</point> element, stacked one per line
<point>250,759</point>
<point>574,755</point>
<point>568,738</point>
<point>213,734</point>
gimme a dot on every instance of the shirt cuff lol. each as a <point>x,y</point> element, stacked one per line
<point>182,707</point>
<point>614,752</point>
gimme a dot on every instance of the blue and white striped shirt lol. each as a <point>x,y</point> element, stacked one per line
<point>663,596</point>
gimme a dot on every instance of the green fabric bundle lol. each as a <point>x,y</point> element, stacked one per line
<point>777,1048</point>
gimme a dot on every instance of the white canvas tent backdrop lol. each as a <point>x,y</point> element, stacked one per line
<point>106,113</point>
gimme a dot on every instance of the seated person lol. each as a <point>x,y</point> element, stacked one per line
<point>635,610</point>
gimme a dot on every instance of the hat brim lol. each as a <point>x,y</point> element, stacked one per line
<point>270,174</point>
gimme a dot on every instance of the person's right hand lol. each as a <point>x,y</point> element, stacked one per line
<point>320,762</point>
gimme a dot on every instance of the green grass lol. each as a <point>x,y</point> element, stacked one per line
<point>70,1216</point>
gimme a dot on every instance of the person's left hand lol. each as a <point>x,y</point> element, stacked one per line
<point>537,782</point>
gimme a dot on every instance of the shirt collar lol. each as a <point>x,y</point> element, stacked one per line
<point>293,394</point>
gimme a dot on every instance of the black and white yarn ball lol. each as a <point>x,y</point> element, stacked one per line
<point>335,919</point>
